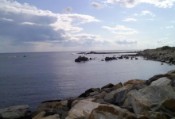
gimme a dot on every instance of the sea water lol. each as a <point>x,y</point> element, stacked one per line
<point>30,78</point>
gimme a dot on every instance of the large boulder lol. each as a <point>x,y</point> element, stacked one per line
<point>41,115</point>
<point>90,92</point>
<point>154,78</point>
<point>161,82</point>
<point>82,109</point>
<point>16,112</point>
<point>117,96</point>
<point>134,82</point>
<point>105,111</point>
<point>54,107</point>
<point>110,85</point>
<point>144,99</point>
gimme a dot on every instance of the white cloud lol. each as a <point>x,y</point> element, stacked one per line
<point>24,23</point>
<point>121,30</point>
<point>133,3</point>
<point>129,19</point>
<point>28,23</point>
<point>6,19</point>
<point>169,27</point>
<point>126,42</point>
<point>147,12</point>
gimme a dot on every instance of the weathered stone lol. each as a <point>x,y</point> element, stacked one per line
<point>100,95</point>
<point>54,107</point>
<point>87,92</point>
<point>94,93</point>
<point>107,90</point>
<point>55,116</point>
<point>110,85</point>
<point>82,109</point>
<point>169,104</point>
<point>105,111</point>
<point>110,97</point>
<point>16,112</point>
<point>158,115</point>
<point>154,78</point>
<point>142,100</point>
<point>134,82</point>
<point>119,97</point>
<point>142,117</point>
<point>41,115</point>
<point>161,82</point>
<point>117,86</point>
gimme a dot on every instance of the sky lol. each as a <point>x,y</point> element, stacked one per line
<point>81,25</point>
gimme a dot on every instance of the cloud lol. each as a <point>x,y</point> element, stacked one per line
<point>147,12</point>
<point>133,3</point>
<point>126,42</point>
<point>26,24</point>
<point>121,30</point>
<point>130,19</point>
<point>97,5</point>
<point>169,27</point>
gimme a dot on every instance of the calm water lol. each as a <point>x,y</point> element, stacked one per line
<point>46,76</point>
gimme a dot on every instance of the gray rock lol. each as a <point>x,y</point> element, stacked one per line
<point>161,82</point>
<point>89,91</point>
<point>142,100</point>
<point>54,107</point>
<point>105,111</point>
<point>110,85</point>
<point>82,109</point>
<point>112,96</point>
<point>154,78</point>
<point>16,112</point>
<point>119,97</point>
<point>41,115</point>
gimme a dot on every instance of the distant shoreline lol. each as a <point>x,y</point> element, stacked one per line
<point>93,52</point>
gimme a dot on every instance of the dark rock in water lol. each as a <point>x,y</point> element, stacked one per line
<point>89,91</point>
<point>110,85</point>
<point>110,58</point>
<point>121,57</point>
<point>81,59</point>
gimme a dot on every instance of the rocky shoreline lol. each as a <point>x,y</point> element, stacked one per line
<point>135,99</point>
<point>164,54</point>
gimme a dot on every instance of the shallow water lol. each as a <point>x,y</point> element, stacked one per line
<point>30,78</point>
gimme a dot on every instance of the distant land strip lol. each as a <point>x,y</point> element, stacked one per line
<point>93,52</point>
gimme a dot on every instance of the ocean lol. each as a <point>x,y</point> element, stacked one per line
<point>30,78</point>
